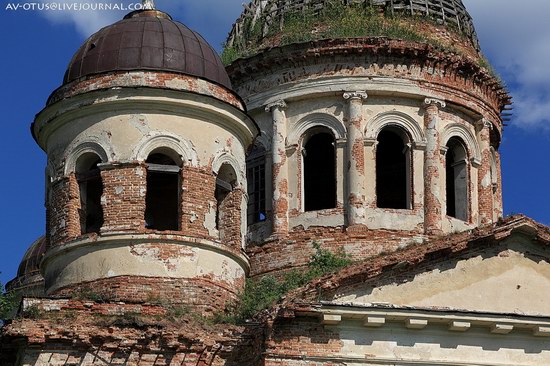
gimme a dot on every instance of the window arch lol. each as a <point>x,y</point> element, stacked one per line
<point>393,169</point>
<point>226,180</point>
<point>457,180</point>
<point>255,176</point>
<point>90,188</point>
<point>163,197</point>
<point>319,169</point>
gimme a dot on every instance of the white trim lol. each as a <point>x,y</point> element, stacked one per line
<point>394,118</point>
<point>184,149</point>
<point>315,120</point>
<point>458,130</point>
<point>73,153</point>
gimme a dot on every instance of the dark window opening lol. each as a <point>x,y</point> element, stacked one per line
<point>319,172</point>
<point>91,189</point>
<point>255,176</point>
<point>162,211</point>
<point>392,171</point>
<point>456,168</point>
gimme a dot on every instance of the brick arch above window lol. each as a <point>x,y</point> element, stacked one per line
<point>308,122</point>
<point>75,152</point>
<point>184,153</point>
<point>396,119</point>
<point>463,133</point>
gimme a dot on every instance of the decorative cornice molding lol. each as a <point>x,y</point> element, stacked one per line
<point>280,104</point>
<point>439,103</point>
<point>356,95</point>
<point>484,123</point>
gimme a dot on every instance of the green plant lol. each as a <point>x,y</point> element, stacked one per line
<point>87,293</point>
<point>32,312</point>
<point>263,293</point>
<point>8,303</point>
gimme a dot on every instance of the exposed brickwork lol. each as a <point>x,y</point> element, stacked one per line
<point>230,219</point>
<point>63,205</point>
<point>203,294</point>
<point>123,198</point>
<point>198,186</point>
<point>432,169</point>
<point>85,333</point>
<point>296,249</point>
<point>151,79</point>
<point>292,339</point>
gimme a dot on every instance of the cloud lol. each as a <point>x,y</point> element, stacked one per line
<point>515,35</point>
<point>86,22</point>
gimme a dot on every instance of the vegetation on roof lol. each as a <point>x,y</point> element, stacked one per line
<point>333,21</point>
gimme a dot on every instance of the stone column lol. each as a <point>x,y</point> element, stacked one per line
<point>356,158</point>
<point>279,170</point>
<point>433,193</point>
<point>484,185</point>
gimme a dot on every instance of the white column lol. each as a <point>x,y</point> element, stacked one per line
<point>433,194</point>
<point>279,169</point>
<point>356,158</point>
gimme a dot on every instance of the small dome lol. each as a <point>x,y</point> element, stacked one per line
<point>31,260</point>
<point>147,40</point>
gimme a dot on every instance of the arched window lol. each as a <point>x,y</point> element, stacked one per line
<point>255,176</point>
<point>226,180</point>
<point>319,158</point>
<point>162,201</point>
<point>456,161</point>
<point>90,188</point>
<point>393,169</point>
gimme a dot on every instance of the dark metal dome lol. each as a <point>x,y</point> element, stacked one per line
<point>31,260</point>
<point>147,40</point>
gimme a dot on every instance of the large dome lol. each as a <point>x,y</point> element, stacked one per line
<point>147,40</point>
<point>270,23</point>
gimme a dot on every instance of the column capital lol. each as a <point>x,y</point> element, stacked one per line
<point>483,123</point>
<point>439,103</point>
<point>280,104</point>
<point>354,95</point>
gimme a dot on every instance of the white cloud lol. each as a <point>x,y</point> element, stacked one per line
<point>515,35</point>
<point>86,22</point>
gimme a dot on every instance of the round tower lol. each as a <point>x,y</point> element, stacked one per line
<point>380,125</point>
<point>146,169</point>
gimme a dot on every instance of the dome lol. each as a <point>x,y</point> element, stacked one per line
<point>147,40</point>
<point>271,23</point>
<point>31,260</point>
<point>29,280</point>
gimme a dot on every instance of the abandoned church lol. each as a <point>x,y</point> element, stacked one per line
<point>365,132</point>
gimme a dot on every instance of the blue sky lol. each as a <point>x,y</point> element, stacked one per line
<point>37,46</point>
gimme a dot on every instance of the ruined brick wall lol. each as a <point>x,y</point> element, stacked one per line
<point>296,250</point>
<point>123,200</point>
<point>198,185</point>
<point>292,339</point>
<point>204,294</point>
<point>230,219</point>
<point>86,333</point>
<point>63,205</point>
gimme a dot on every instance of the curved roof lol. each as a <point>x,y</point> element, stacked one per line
<point>147,40</point>
<point>264,19</point>
<point>31,260</point>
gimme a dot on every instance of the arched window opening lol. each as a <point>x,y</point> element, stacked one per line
<point>456,160</point>
<point>226,180</point>
<point>393,170</point>
<point>162,201</point>
<point>255,176</point>
<point>319,158</point>
<point>90,188</point>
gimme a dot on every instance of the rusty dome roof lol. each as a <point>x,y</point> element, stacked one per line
<point>147,40</point>
<point>31,260</point>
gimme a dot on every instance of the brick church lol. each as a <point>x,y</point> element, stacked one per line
<point>369,127</point>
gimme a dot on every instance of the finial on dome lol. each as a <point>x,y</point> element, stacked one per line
<point>147,4</point>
